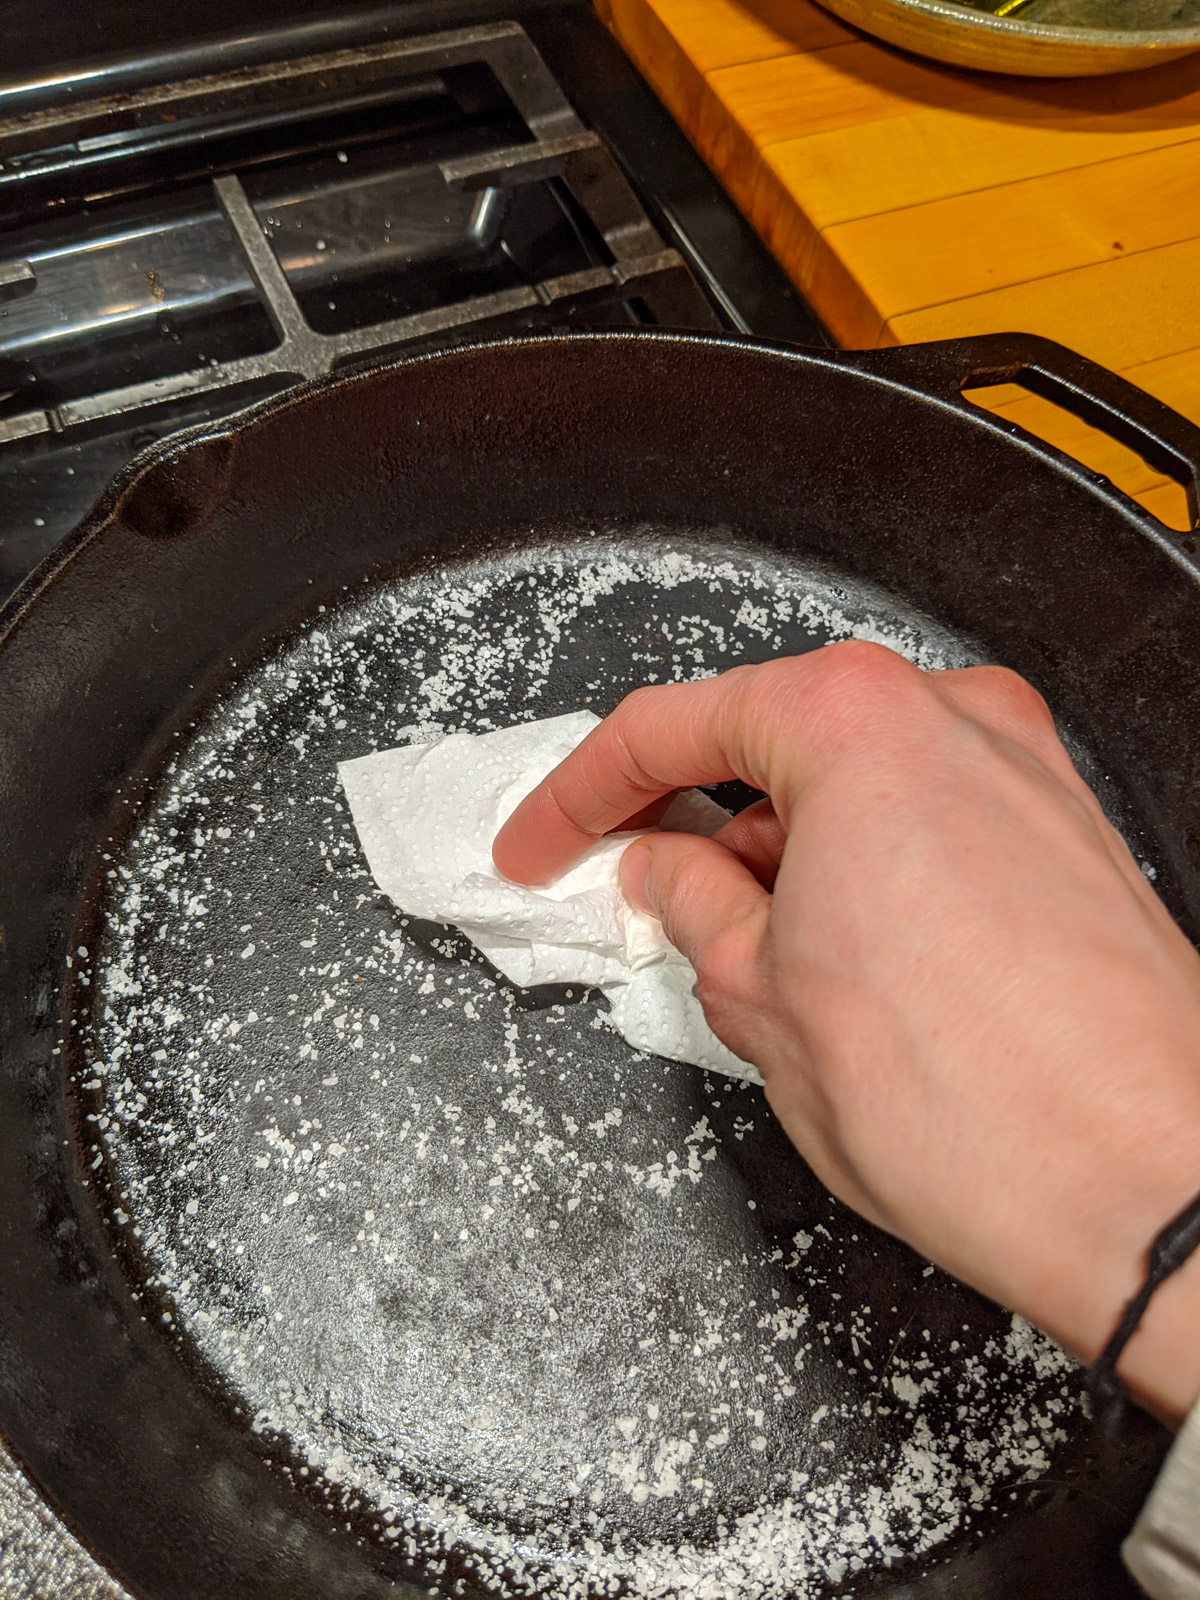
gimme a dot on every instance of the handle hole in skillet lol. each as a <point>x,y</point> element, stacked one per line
<point>1160,495</point>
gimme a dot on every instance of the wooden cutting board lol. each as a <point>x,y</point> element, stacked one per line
<point>912,201</point>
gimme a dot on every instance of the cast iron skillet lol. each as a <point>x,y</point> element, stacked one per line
<point>128,650</point>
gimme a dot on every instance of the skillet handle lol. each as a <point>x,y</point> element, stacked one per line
<point>1168,441</point>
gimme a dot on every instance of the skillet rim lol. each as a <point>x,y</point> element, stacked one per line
<point>862,364</point>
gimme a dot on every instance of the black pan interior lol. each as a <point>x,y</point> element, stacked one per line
<point>367,1270</point>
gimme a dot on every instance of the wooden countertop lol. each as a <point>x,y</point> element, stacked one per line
<point>912,201</point>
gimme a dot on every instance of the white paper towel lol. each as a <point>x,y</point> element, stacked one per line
<point>427,816</point>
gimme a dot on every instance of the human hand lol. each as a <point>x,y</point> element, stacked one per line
<point>972,1014</point>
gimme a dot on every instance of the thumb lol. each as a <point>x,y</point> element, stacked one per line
<point>712,908</point>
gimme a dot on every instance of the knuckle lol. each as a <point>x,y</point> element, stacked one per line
<point>673,886</point>
<point>1018,696</point>
<point>629,765</point>
<point>637,700</point>
<point>749,672</point>
<point>870,667</point>
<point>723,967</point>
<point>847,685</point>
<point>995,692</point>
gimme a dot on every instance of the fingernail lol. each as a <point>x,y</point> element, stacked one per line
<point>634,874</point>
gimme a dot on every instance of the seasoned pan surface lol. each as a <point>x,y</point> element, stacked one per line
<point>404,1276</point>
<point>503,1285</point>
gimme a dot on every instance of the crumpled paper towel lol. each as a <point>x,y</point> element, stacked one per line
<point>427,815</point>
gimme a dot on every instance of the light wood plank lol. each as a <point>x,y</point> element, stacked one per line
<point>1133,309</point>
<point>741,110</point>
<point>1016,233</point>
<point>796,95</point>
<point>875,168</point>
<point>1168,504</point>
<point>861,155</point>
<point>799,95</point>
<point>1174,379</point>
<point>721,33</point>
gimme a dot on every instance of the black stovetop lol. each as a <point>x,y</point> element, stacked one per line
<point>330,191</point>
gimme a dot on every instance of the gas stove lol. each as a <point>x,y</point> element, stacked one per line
<point>188,229</point>
<point>192,219</point>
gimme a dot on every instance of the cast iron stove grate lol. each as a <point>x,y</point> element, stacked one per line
<point>174,253</point>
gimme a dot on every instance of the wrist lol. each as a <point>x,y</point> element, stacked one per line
<point>1160,1366</point>
<point>1083,1288</point>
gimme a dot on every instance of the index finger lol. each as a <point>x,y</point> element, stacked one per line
<point>767,724</point>
<point>672,736</point>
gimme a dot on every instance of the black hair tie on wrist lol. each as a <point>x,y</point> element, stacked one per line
<point>1174,1245</point>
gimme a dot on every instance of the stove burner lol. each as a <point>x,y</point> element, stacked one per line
<point>105,139</point>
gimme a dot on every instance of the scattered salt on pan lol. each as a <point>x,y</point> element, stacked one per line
<point>407,1203</point>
